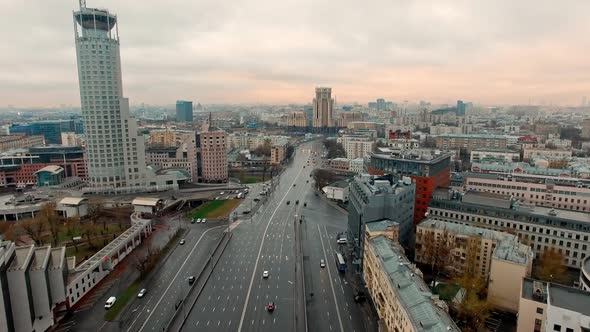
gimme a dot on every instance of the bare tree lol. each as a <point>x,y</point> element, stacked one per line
<point>50,219</point>
<point>551,266</point>
<point>145,263</point>
<point>434,249</point>
<point>34,229</point>
<point>8,232</point>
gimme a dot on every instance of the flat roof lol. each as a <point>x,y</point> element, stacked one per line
<point>72,200</point>
<point>53,169</point>
<point>41,258</point>
<point>146,201</point>
<point>492,136</point>
<point>23,256</point>
<point>569,298</point>
<point>380,225</point>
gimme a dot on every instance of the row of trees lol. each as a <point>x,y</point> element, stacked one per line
<point>335,149</point>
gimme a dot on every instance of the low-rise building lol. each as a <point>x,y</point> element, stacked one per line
<point>487,155</point>
<point>51,175</point>
<point>72,207</point>
<point>278,153</point>
<point>298,119</point>
<point>339,164</point>
<point>469,142</point>
<point>549,191</point>
<point>403,144</point>
<point>402,300</point>
<point>541,227</point>
<point>528,154</point>
<point>357,165</point>
<point>496,257</point>
<point>545,306</point>
<point>337,191</point>
<point>20,141</point>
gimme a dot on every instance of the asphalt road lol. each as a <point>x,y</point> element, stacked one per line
<point>235,297</point>
<point>156,308</point>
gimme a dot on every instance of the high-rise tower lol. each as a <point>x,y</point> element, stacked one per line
<point>115,152</point>
<point>323,105</point>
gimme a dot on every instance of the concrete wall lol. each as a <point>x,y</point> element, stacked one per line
<point>57,285</point>
<point>527,313</point>
<point>504,284</point>
<point>42,305</point>
<point>21,302</point>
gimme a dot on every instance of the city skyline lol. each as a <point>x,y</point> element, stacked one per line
<point>420,51</point>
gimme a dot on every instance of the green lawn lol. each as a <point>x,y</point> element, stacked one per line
<point>251,179</point>
<point>122,300</point>
<point>215,209</point>
<point>83,251</point>
<point>445,291</point>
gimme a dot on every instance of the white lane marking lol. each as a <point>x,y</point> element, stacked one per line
<point>175,276</point>
<point>331,284</point>
<point>260,251</point>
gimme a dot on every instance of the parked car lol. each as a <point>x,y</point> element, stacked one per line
<point>142,292</point>
<point>203,220</point>
<point>288,202</point>
<point>191,280</point>
<point>182,241</point>
<point>341,241</point>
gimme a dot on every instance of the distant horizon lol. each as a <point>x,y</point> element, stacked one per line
<point>269,53</point>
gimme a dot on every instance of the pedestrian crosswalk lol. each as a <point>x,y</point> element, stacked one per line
<point>90,300</point>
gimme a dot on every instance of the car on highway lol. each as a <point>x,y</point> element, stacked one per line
<point>182,241</point>
<point>305,204</point>
<point>288,202</point>
<point>246,211</point>
<point>322,263</point>
<point>297,202</point>
<point>270,307</point>
<point>256,199</point>
<point>294,184</point>
<point>265,274</point>
<point>142,293</point>
<point>110,302</point>
<point>191,280</point>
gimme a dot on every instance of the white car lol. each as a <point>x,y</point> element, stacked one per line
<point>265,274</point>
<point>221,193</point>
<point>142,292</point>
<point>199,220</point>
<point>341,241</point>
<point>110,302</point>
<point>182,242</point>
<point>203,220</point>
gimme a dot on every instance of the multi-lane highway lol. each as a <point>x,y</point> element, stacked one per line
<point>234,299</point>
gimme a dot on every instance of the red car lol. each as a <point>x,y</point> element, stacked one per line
<point>270,307</point>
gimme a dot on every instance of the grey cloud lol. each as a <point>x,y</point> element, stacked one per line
<point>203,48</point>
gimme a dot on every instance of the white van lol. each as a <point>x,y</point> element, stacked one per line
<point>341,240</point>
<point>110,302</point>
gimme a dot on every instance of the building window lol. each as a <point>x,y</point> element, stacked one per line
<point>540,311</point>
<point>557,327</point>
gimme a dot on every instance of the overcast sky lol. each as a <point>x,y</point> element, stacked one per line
<point>269,51</point>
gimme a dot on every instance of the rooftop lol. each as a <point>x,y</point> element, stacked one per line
<point>53,169</point>
<point>146,201</point>
<point>339,184</point>
<point>380,225</point>
<point>483,136</point>
<point>72,201</point>
<point>413,294</point>
<point>493,150</point>
<point>415,155</point>
<point>23,256</point>
<point>561,296</point>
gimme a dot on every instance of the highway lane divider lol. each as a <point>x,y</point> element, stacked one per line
<point>180,316</point>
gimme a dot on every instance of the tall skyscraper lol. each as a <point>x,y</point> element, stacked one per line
<point>460,108</point>
<point>114,151</point>
<point>184,111</point>
<point>323,104</point>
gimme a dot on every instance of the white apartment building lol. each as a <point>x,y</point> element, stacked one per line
<point>114,151</point>
<point>549,307</point>
<point>498,257</point>
<point>542,228</point>
<point>214,156</point>
<point>72,139</point>
<point>555,192</point>
<point>357,165</point>
<point>403,144</point>
<point>356,146</point>
<point>402,299</point>
<point>481,155</point>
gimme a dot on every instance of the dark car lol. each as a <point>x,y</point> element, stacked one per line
<point>360,297</point>
<point>270,307</point>
<point>256,199</point>
<point>294,184</point>
<point>305,204</point>
<point>297,202</point>
<point>288,202</point>
<point>191,280</point>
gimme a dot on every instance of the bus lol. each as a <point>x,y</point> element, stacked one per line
<point>340,263</point>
